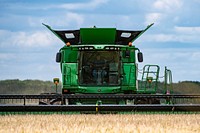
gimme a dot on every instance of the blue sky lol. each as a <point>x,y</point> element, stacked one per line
<point>27,49</point>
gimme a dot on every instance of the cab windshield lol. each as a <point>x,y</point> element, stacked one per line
<point>99,68</point>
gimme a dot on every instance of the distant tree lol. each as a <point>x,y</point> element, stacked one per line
<point>17,86</point>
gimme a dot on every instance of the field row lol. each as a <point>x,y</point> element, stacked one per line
<point>100,123</point>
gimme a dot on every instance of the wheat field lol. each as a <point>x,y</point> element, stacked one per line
<point>133,123</point>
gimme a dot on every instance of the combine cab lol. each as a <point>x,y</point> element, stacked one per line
<point>99,73</point>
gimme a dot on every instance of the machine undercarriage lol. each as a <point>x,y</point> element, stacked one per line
<point>121,103</point>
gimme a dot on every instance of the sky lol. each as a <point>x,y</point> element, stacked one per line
<point>28,49</point>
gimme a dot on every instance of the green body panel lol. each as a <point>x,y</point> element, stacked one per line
<point>129,75</point>
<point>98,35</point>
<point>69,74</point>
<point>130,59</point>
<point>99,89</point>
<point>69,55</point>
<point>79,89</point>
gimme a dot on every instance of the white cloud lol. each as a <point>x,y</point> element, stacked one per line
<point>68,19</point>
<point>74,17</point>
<point>159,37</point>
<point>153,18</point>
<point>167,5</point>
<point>83,6</point>
<point>26,39</point>
<point>164,10</point>
<point>5,56</point>
<point>92,4</point>
<point>178,34</point>
<point>188,30</point>
<point>119,21</point>
<point>172,38</point>
<point>195,56</point>
<point>35,21</point>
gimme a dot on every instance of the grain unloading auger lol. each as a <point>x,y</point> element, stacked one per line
<point>99,74</point>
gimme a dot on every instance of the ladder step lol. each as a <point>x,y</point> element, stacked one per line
<point>149,72</point>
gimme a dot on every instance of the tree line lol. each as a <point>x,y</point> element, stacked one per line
<point>16,86</point>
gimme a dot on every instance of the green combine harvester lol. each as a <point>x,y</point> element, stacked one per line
<point>100,74</point>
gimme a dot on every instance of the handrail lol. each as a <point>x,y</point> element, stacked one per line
<point>168,81</point>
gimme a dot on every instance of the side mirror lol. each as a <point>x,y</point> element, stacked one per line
<point>140,56</point>
<point>58,57</point>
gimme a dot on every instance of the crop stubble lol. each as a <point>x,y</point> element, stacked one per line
<point>134,123</point>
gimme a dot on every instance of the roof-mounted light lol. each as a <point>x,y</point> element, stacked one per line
<point>86,48</point>
<point>111,48</point>
<point>130,44</point>
<point>68,44</point>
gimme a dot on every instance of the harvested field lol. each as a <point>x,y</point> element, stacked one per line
<point>135,123</point>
